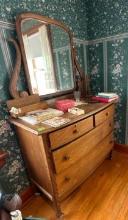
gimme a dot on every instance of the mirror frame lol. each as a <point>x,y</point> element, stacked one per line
<point>47,20</point>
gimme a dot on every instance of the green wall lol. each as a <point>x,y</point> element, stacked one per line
<point>72,13</point>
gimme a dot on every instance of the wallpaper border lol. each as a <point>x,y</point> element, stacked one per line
<point>4,26</point>
<point>7,25</point>
<point>101,40</point>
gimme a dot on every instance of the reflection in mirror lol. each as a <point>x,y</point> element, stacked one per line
<point>48,55</point>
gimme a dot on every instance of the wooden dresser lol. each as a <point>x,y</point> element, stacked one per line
<point>60,159</point>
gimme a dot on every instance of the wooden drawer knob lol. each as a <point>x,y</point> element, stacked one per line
<point>67,179</point>
<point>110,142</point>
<point>107,113</point>
<point>75,131</point>
<point>66,157</point>
<point>110,124</point>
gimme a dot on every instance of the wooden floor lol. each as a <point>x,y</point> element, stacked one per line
<point>104,195</point>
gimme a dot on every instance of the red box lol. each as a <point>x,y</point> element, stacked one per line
<point>64,104</point>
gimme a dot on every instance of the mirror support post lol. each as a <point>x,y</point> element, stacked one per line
<point>84,80</point>
<point>15,75</point>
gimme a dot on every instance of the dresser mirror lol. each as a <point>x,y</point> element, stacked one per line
<point>48,55</point>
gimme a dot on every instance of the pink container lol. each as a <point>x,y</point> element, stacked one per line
<point>64,104</point>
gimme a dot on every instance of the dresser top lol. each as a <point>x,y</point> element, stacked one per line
<point>40,128</point>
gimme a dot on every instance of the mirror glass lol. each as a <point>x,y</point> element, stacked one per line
<point>48,57</point>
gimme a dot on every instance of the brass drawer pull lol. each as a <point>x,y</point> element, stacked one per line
<point>66,157</point>
<point>67,179</point>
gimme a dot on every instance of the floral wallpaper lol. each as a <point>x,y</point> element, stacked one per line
<point>13,176</point>
<point>106,18</point>
<point>95,67</point>
<point>117,81</point>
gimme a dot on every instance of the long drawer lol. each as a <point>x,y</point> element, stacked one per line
<point>71,132</point>
<point>72,177</point>
<point>72,152</point>
<point>104,115</point>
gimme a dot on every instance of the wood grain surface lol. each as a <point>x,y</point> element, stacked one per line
<point>103,196</point>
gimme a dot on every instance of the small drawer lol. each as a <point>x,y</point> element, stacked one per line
<point>71,132</point>
<point>72,152</point>
<point>104,115</point>
<point>72,177</point>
